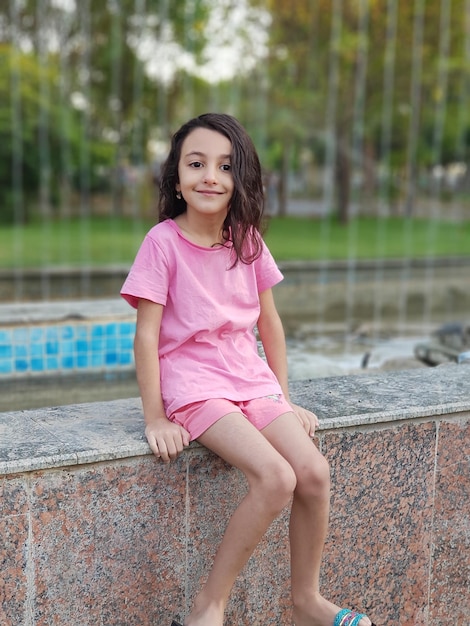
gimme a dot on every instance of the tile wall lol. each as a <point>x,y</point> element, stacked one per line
<point>66,347</point>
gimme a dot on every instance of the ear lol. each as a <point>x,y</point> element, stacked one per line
<point>178,187</point>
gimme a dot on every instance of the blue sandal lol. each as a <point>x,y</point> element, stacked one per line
<point>348,618</point>
<point>173,623</point>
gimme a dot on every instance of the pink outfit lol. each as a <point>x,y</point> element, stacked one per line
<point>197,417</point>
<point>207,345</point>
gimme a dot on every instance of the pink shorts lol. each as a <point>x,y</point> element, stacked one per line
<point>197,417</point>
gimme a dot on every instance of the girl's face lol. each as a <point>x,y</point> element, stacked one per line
<point>205,173</point>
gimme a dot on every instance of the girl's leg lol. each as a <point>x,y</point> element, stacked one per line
<point>271,483</point>
<point>308,522</point>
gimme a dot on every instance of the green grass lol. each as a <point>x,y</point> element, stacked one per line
<point>107,241</point>
<point>94,242</point>
<point>367,238</point>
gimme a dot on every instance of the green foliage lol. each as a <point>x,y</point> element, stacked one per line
<point>21,123</point>
<point>189,20</point>
<point>80,104</point>
<point>371,80</point>
<point>333,87</point>
<point>45,143</point>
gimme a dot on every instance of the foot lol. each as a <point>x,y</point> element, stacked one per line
<point>210,614</point>
<point>316,611</point>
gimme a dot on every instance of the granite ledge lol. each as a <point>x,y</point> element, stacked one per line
<point>18,313</point>
<point>104,431</point>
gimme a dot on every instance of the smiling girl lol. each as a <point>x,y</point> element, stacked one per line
<point>202,282</point>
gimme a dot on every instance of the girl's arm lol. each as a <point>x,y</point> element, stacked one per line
<point>165,439</point>
<point>272,337</point>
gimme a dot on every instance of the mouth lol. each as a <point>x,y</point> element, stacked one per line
<point>209,192</point>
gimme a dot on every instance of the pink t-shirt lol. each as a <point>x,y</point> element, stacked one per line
<point>207,345</point>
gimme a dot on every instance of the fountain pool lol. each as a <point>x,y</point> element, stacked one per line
<point>63,353</point>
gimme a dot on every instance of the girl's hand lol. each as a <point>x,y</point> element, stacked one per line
<point>166,439</point>
<point>308,419</point>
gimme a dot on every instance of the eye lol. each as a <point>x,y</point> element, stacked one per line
<point>226,167</point>
<point>195,164</point>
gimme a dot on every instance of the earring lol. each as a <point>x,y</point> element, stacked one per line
<point>178,195</point>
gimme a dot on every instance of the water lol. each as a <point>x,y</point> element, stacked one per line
<point>308,357</point>
<point>19,394</point>
<point>318,357</point>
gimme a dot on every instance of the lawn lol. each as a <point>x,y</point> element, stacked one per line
<point>367,238</point>
<point>108,241</point>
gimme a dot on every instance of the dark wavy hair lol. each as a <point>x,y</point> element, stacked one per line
<point>244,223</point>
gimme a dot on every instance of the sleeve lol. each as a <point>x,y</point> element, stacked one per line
<point>267,272</point>
<point>148,277</point>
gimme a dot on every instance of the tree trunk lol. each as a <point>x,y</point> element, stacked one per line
<point>284,183</point>
<point>410,189</point>
<point>343,182</point>
<point>369,169</point>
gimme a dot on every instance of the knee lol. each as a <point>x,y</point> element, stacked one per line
<point>277,484</point>
<point>313,478</point>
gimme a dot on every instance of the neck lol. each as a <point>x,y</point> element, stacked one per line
<point>206,231</point>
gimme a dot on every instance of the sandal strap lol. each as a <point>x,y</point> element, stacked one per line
<point>347,617</point>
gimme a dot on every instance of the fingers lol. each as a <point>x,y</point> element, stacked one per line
<point>305,423</point>
<point>310,427</point>
<point>168,445</point>
<point>313,423</point>
<point>166,451</point>
<point>308,419</point>
<point>186,437</point>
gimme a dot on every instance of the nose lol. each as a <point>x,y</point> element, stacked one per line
<point>210,176</point>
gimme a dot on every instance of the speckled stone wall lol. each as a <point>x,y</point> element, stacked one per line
<point>119,539</point>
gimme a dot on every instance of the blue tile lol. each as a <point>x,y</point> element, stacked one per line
<point>111,344</point>
<point>37,365</point>
<point>97,331</point>
<point>52,333</point>
<point>36,334</point>
<point>66,332</point>
<point>81,345</point>
<point>36,349</point>
<point>6,351</point>
<point>67,347</point>
<point>82,360</point>
<point>125,358</point>
<point>41,348</point>
<point>20,351</point>
<point>127,328</point>
<point>6,367</point>
<point>67,362</point>
<point>97,360</point>
<point>21,335</point>
<point>52,363</point>
<point>111,358</point>
<point>5,336</point>
<point>126,343</point>
<point>97,345</point>
<point>21,365</point>
<point>52,347</point>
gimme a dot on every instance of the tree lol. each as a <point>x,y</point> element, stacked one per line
<point>375,81</point>
<point>21,148</point>
<point>82,89</point>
